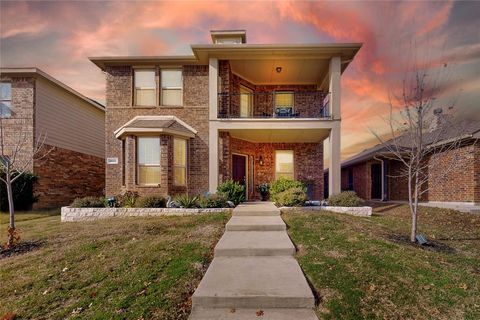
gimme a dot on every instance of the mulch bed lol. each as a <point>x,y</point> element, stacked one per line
<point>431,245</point>
<point>21,248</point>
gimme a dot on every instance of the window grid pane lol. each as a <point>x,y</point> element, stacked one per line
<point>146,97</point>
<point>284,166</point>
<point>171,79</point>
<point>149,174</point>
<point>171,97</point>
<point>5,91</point>
<point>284,99</point>
<point>179,161</point>
<point>5,109</point>
<point>149,150</point>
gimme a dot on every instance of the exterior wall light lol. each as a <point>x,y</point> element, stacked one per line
<point>260,161</point>
<point>278,69</point>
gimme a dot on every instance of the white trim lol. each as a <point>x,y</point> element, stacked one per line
<point>122,129</point>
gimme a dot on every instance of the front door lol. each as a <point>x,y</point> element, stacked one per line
<point>376,181</point>
<point>239,169</point>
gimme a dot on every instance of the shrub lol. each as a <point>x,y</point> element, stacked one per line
<point>88,202</point>
<point>127,199</point>
<point>216,200</point>
<point>345,199</point>
<point>185,201</point>
<point>23,196</point>
<point>150,202</point>
<point>293,197</point>
<point>283,184</point>
<point>233,191</point>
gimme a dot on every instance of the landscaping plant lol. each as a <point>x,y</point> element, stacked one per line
<point>88,202</point>
<point>345,199</point>
<point>150,202</point>
<point>282,184</point>
<point>263,189</point>
<point>293,197</point>
<point>127,199</point>
<point>215,200</point>
<point>186,201</point>
<point>233,191</point>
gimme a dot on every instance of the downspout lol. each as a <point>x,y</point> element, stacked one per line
<point>383,177</point>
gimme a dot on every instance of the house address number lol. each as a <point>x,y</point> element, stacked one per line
<point>112,160</point>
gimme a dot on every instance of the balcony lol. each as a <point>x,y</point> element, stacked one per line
<point>283,104</point>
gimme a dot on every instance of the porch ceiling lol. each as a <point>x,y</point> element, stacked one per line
<point>280,135</point>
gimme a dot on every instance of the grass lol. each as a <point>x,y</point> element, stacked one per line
<point>130,268</point>
<point>365,268</point>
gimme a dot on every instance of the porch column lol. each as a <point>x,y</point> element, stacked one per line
<point>334,166</point>
<point>213,88</point>
<point>212,157</point>
<point>334,72</point>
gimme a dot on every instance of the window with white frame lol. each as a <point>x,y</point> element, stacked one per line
<point>246,98</point>
<point>148,159</point>
<point>5,99</point>
<point>145,87</point>
<point>284,164</point>
<point>179,162</point>
<point>284,101</point>
<point>172,87</point>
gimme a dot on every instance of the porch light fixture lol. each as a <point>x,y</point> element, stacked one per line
<point>278,69</point>
<point>260,161</point>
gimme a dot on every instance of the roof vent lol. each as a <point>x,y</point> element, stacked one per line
<point>228,36</point>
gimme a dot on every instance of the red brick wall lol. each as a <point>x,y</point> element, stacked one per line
<point>308,161</point>
<point>64,175</point>
<point>194,112</point>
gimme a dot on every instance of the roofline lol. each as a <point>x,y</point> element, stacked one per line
<point>43,74</point>
<point>101,62</point>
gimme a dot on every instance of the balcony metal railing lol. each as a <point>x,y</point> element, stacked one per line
<point>306,104</point>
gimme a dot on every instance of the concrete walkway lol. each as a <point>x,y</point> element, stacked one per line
<point>253,274</point>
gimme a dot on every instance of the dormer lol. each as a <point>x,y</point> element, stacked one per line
<point>228,36</point>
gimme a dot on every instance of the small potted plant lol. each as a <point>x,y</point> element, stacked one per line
<point>263,190</point>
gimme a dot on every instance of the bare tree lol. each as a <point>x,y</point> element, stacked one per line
<point>17,154</point>
<point>418,133</point>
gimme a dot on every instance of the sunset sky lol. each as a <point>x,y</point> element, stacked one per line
<point>59,36</point>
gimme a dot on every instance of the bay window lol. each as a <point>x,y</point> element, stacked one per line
<point>148,155</point>
<point>284,164</point>
<point>179,162</point>
<point>145,87</point>
<point>172,87</point>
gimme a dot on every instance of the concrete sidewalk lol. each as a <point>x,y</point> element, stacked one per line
<point>254,271</point>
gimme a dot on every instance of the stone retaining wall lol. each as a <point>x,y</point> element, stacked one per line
<point>89,214</point>
<point>354,211</point>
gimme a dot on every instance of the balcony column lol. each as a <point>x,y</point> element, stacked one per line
<point>334,72</point>
<point>334,166</point>
<point>213,88</point>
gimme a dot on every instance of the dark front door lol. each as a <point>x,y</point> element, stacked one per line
<point>376,181</point>
<point>239,169</point>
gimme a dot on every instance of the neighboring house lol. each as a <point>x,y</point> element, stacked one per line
<point>253,113</point>
<point>453,175</point>
<point>72,125</point>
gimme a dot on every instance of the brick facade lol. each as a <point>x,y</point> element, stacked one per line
<point>308,162</point>
<point>453,176</point>
<point>64,175</point>
<point>120,110</point>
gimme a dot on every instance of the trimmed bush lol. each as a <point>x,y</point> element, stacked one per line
<point>345,199</point>
<point>23,196</point>
<point>185,201</point>
<point>233,191</point>
<point>150,202</point>
<point>293,197</point>
<point>127,199</point>
<point>216,200</point>
<point>283,184</point>
<point>88,202</point>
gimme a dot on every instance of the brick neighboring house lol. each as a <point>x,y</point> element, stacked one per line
<point>184,124</point>
<point>35,103</point>
<point>373,176</point>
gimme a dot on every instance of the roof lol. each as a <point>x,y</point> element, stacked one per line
<point>156,124</point>
<point>466,129</point>
<point>202,53</point>
<point>33,71</point>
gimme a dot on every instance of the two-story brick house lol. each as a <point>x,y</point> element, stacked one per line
<point>183,124</point>
<point>37,107</point>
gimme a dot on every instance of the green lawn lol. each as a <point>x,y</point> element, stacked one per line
<point>365,267</point>
<point>130,268</point>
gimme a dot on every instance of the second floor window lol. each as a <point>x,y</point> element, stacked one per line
<point>145,87</point>
<point>172,85</point>
<point>5,99</point>
<point>148,152</point>
<point>284,103</point>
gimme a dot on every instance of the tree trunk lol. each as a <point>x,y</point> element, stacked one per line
<point>11,210</point>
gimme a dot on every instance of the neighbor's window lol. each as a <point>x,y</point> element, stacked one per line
<point>179,162</point>
<point>145,87</point>
<point>5,99</point>
<point>172,87</point>
<point>284,164</point>
<point>148,151</point>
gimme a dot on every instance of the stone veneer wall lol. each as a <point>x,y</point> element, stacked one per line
<point>64,175</point>
<point>308,161</point>
<point>120,109</point>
